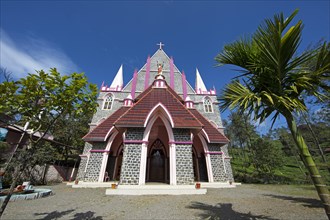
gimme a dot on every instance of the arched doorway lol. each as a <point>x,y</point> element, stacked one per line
<point>199,161</point>
<point>157,163</point>
<point>119,160</point>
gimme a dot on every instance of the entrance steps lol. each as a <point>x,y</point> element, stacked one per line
<point>152,188</point>
<point>155,190</point>
<point>82,184</point>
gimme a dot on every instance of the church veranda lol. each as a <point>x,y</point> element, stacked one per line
<point>156,129</point>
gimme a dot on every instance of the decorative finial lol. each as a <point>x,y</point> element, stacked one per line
<point>161,45</point>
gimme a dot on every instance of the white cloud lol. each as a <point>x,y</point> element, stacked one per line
<point>22,58</point>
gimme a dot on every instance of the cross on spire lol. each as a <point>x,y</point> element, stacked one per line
<point>160,45</point>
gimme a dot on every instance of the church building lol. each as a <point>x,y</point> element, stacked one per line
<point>157,128</point>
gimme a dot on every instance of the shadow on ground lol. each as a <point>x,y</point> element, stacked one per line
<point>307,202</point>
<point>77,216</point>
<point>223,211</point>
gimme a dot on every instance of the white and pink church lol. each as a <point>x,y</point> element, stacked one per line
<point>156,128</point>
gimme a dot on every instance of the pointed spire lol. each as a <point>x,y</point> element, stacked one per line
<point>199,85</point>
<point>117,83</point>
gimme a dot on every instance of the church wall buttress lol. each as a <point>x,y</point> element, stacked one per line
<point>90,165</point>
<point>184,162</point>
<point>218,163</point>
<point>227,163</point>
<point>130,169</point>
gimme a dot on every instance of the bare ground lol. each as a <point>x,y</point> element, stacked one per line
<point>242,202</point>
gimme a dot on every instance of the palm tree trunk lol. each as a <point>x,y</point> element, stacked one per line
<point>316,140</point>
<point>318,181</point>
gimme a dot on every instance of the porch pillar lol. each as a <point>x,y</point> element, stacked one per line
<point>172,164</point>
<point>143,166</point>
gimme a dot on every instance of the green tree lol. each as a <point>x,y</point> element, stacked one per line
<point>39,101</point>
<point>267,156</point>
<point>274,79</point>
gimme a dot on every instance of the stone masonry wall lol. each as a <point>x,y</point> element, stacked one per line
<point>130,169</point>
<point>227,163</point>
<point>218,169</point>
<point>83,161</point>
<point>93,167</point>
<point>184,162</point>
<point>134,134</point>
<point>81,169</point>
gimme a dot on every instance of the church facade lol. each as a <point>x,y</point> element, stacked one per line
<point>157,128</point>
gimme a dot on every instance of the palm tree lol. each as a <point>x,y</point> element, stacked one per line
<point>274,79</point>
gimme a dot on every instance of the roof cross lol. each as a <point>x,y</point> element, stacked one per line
<point>160,45</point>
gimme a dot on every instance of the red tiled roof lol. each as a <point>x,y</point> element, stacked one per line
<point>100,132</point>
<point>214,135</point>
<point>137,114</point>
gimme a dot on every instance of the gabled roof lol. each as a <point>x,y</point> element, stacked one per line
<point>146,101</point>
<point>212,132</point>
<point>100,132</point>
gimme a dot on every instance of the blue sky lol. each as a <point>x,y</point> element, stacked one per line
<point>96,37</point>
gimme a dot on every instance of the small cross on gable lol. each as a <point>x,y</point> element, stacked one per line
<point>161,45</point>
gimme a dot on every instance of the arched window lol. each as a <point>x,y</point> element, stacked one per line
<point>207,105</point>
<point>108,102</point>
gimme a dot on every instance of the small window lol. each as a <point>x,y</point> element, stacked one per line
<point>207,105</point>
<point>108,102</point>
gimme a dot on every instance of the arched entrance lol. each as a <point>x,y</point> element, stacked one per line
<point>157,163</point>
<point>157,169</point>
<point>199,161</point>
<point>158,126</point>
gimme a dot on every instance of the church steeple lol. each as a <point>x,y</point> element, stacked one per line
<point>117,83</point>
<point>199,85</point>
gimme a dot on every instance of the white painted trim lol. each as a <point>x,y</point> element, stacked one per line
<point>207,159</point>
<point>163,109</point>
<point>172,164</point>
<point>143,164</point>
<point>211,103</point>
<point>206,136</point>
<point>88,156</point>
<point>107,135</point>
<point>105,98</point>
<point>223,162</point>
<point>149,123</point>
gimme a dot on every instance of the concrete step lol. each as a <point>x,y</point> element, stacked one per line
<point>155,190</point>
<point>82,184</point>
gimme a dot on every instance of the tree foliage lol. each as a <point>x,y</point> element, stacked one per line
<point>274,79</point>
<point>43,102</point>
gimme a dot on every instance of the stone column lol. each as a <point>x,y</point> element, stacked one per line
<point>130,169</point>
<point>94,161</point>
<point>183,154</point>
<point>93,167</point>
<point>217,163</point>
